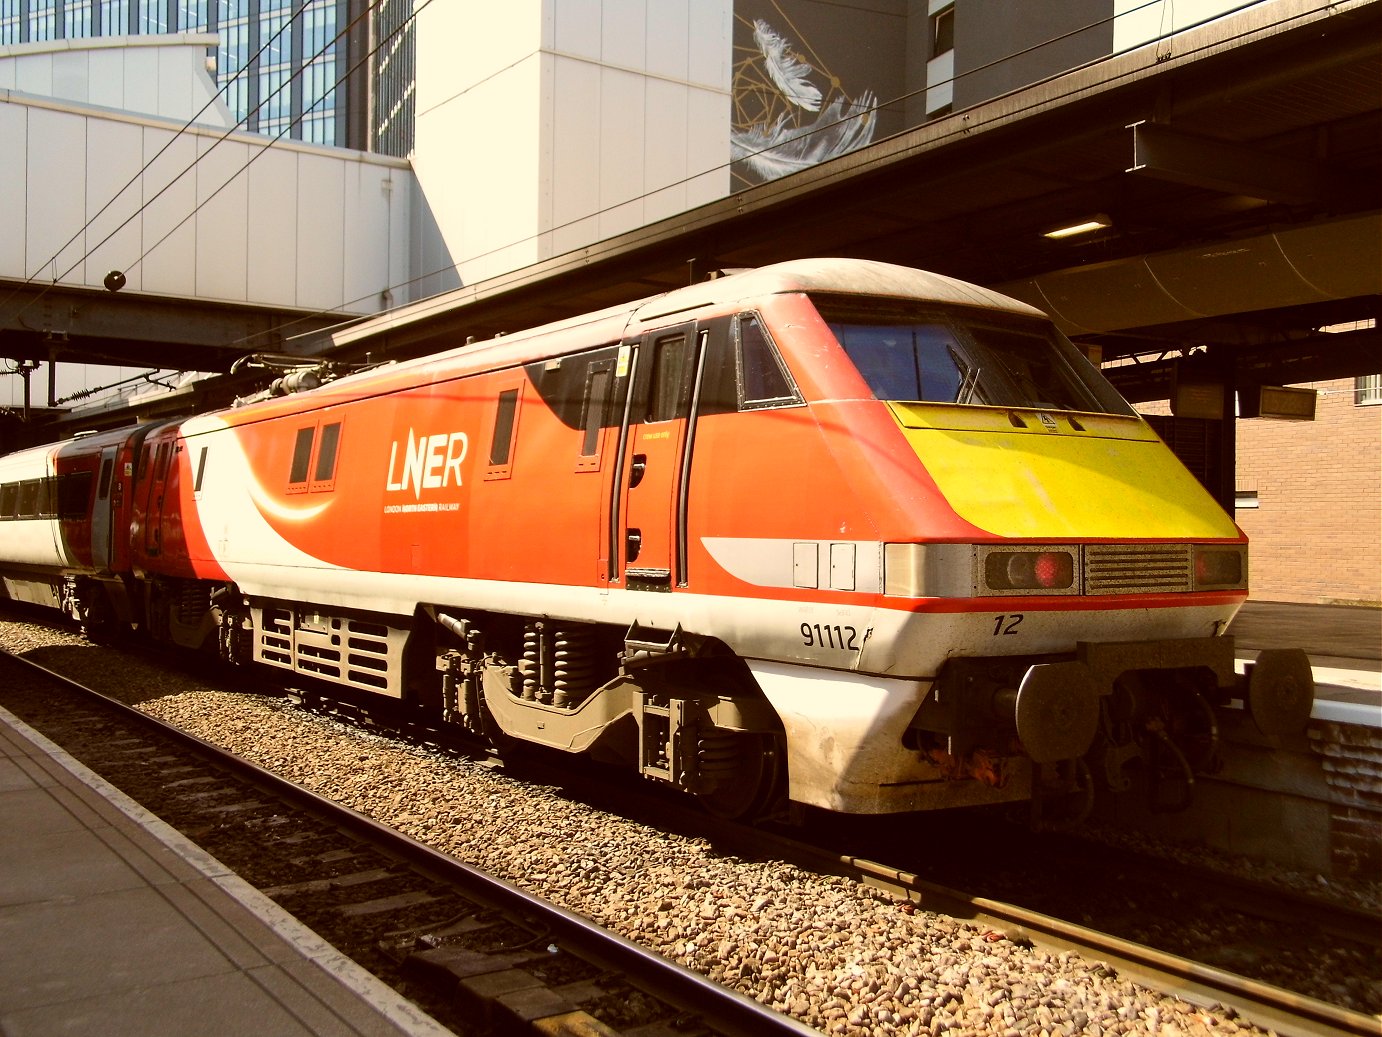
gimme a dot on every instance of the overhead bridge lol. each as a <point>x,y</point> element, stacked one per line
<point>147,241</point>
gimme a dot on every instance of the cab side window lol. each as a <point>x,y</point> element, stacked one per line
<point>764,381</point>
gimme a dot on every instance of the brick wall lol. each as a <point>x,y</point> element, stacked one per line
<point>1317,531</point>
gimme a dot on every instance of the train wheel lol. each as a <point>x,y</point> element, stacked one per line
<point>752,784</point>
<point>100,624</point>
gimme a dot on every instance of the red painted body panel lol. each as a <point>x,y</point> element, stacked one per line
<point>414,491</point>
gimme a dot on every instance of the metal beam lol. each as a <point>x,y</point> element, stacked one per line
<point>1196,161</point>
<point>85,325</point>
<point>1319,358</point>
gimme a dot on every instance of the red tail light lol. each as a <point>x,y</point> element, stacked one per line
<point>1029,570</point>
<point>1219,567</point>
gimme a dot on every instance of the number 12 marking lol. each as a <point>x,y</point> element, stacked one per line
<point>1005,625</point>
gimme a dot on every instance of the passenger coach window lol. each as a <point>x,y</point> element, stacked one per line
<point>9,499</point>
<point>763,381</point>
<point>74,495</point>
<point>28,498</point>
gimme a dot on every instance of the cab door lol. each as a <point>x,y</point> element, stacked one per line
<point>156,491</point>
<point>101,531</point>
<point>653,481</point>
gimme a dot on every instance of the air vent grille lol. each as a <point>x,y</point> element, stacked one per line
<point>1137,568</point>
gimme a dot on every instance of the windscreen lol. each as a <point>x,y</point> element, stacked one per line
<point>983,358</point>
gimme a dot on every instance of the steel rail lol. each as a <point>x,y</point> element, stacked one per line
<point>1283,1011</point>
<point>723,1010</point>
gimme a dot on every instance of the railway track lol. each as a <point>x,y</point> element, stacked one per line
<point>1217,990</point>
<point>477,953</point>
<point>1269,1005</point>
<point>1262,1004</point>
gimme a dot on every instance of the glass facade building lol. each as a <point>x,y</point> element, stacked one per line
<point>285,66</point>
<point>393,83</point>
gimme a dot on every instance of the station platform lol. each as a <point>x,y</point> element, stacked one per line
<point>113,924</point>
<point>1344,644</point>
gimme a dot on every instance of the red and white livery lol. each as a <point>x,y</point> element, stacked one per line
<point>856,534</point>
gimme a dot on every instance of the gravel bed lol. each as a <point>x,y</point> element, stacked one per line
<point>838,955</point>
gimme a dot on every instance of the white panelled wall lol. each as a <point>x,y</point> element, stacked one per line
<point>226,220</point>
<point>163,75</point>
<point>543,126</point>
<point>546,125</point>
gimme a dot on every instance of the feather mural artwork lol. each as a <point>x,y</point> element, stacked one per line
<point>780,149</point>
<point>785,69</point>
<point>783,121</point>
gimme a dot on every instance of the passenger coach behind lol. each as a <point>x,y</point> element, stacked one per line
<point>849,534</point>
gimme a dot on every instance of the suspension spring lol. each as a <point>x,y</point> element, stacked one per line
<point>574,665</point>
<point>532,661</point>
<point>717,753</point>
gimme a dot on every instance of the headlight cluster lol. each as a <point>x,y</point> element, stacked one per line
<point>977,570</point>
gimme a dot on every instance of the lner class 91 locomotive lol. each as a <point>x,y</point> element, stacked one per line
<point>852,534</point>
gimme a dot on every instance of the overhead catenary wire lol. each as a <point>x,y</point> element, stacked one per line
<point>354,319</point>
<point>149,163</point>
<point>222,139</point>
<point>803,134</point>
<point>369,9</point>
<point>959,130</point>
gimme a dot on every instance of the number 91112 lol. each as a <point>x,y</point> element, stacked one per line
<point>816,635</point>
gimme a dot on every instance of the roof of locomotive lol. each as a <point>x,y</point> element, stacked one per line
<point>837,276</point>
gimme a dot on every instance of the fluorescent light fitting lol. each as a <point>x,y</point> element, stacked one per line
<point>1096,222</point>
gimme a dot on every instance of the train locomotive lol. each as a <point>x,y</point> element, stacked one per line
<point>830,533</point>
